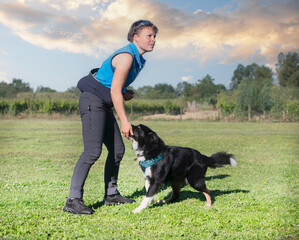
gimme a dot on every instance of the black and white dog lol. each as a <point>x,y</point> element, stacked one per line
<point>161,163</point>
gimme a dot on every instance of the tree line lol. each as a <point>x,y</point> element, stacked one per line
<point>253,90</point>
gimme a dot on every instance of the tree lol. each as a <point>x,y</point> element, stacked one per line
<point>265,95</point>
<point>41,89</point>
<point>21,86</point>
<point>206,91</point>
<point>10,90</point>
<point>254,91</point>
<point>203,91</point>
<point>76,91</point>
<point>184,89</point>
<point>159,91</point>
<point>163,90</point>
<point>246,96</point>
<point>254,71</point>
<point>239,73</point>
<point>242,72</point>
<point>288,69</point>
<point>262,72</point>
<point>6,90</point>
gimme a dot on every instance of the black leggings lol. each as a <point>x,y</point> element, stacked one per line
<point>98,126</point>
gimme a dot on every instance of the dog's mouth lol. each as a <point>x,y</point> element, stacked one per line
<point>135,145</point>
<point>130,135</point>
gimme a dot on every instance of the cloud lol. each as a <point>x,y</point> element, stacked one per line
<point>4,77</point>
<point>255,30</point>
<point>3,52</point>
<point>188,78</point>
<point>66,4</point>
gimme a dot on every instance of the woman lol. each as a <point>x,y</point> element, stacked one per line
<point>103,89</point>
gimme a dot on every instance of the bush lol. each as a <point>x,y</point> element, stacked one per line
<point>18,106</point>
<point>4,106</point>
<point>171,108</point>
<point>227,102</point>
<point>148,107</point>
<point>293,109</point>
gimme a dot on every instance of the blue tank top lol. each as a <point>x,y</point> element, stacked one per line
<point>106,71</point>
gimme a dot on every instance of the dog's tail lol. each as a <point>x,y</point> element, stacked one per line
<point>221,158</point>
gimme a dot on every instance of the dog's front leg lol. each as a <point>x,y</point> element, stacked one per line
<point>151,190</point>
<point>144,204</point>
<point>146,200</point>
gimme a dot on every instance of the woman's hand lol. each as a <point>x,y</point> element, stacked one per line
<point>126,129</point>
<point>128,95</point>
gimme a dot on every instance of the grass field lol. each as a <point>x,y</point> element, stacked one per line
<point>256,200</point>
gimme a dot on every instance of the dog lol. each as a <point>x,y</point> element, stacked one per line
<point>177,165</point>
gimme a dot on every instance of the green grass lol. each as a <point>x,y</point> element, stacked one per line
<point>256,200</point>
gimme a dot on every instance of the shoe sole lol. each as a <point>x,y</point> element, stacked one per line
<point>116,203</point>
<point>70,210</point>
<point>112,204</point>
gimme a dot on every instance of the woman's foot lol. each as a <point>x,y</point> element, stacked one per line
<point>77,206</point>
<point>116,199</point>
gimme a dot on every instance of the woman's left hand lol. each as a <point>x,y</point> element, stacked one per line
<point>128,95</point>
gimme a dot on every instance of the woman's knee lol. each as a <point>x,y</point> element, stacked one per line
<point>119,152</point>
<point>92,155</point>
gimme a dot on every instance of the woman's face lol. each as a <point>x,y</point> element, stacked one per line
<point>145,40</point>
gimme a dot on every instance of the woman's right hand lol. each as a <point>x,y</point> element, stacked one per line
<point>126,129</point>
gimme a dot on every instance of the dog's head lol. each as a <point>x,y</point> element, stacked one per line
<point>146,141</point>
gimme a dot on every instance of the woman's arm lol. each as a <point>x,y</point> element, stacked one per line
<point>122,63</point>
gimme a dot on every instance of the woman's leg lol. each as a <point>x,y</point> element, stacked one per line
<point>93,115</point>
<point>116,149</point>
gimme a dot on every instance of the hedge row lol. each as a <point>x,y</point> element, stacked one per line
<point>147,107</point>
<point>49,106</point>
<point>70,106</point>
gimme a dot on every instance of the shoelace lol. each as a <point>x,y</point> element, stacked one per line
<point>81,202</point>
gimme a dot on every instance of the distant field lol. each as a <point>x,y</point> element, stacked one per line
<point>256,200</point>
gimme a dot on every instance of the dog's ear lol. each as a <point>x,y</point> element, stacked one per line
<point>153,136</point>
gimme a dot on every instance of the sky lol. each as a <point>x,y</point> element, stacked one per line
<point>53,43</point>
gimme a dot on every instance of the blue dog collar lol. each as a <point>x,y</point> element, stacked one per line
<point>150,162</point>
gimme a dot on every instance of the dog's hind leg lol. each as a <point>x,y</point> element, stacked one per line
<point>200,185</point>
<point>208,196</point>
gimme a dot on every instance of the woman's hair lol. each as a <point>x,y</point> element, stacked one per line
<point>137,26</point>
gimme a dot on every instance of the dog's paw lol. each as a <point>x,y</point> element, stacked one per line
<point>209,205</point>
<point>137,210</point>
<point>161,201</point>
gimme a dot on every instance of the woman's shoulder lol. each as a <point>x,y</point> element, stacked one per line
<point>123,58</point>
<point>129,48</point>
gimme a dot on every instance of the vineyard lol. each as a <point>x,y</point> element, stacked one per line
<point>67,103</point>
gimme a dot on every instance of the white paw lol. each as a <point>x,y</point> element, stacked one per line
<point>137,210</point>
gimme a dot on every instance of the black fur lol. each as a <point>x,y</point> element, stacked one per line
<point>177,165</point>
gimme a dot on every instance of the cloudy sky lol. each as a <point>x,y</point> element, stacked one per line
<point>53,43</point>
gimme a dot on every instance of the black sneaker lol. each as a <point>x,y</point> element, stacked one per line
<point>116,199</point>
<point>76,206</point>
